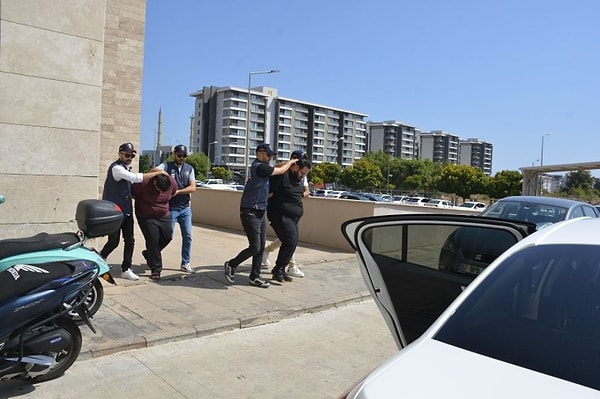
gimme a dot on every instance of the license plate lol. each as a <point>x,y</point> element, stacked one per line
<point>469,269</point>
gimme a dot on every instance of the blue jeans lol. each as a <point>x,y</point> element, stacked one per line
<point>255,227</point>
<point>184,218</point>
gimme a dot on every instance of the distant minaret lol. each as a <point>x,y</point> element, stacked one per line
<point>191,148</point>
<point>159,132</point>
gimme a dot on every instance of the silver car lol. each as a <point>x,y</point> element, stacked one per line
<point>528,326</point>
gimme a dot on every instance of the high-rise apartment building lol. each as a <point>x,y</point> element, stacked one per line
<point>439,146</point>
<point>476,153</point>
<point>326,134</point>
<point>395,138</point>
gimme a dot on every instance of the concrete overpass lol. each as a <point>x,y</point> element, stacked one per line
<point>531,175</point>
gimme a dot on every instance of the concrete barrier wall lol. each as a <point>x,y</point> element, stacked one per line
<point>320,225</point>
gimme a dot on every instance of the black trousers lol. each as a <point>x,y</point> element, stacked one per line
<point>255,227</point>
<point>286,229</point>
<point>158,234</point>
<point>113,242</point>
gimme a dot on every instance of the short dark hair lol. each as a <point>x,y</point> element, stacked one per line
<point>163,183</point>
<point>303,163</point>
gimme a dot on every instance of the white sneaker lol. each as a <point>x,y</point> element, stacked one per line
<point>129,275</point>
<point>265,259</point>
<point>294,271</point>
<point>187,268</point>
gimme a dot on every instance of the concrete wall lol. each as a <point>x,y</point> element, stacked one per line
<point>320,225</point>
<point>70,78</point>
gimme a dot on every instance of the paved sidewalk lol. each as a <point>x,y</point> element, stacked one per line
<point>137,314</point>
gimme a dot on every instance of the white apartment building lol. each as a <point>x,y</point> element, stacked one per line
<point>477,153</point>
<point>439,146</point>
<point>397,139</point>
<point>325,133</point>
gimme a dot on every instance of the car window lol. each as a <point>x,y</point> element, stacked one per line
<point>588,211</point>
<point>577,213</point>
<point>426,266</point>
<point>539,309</point>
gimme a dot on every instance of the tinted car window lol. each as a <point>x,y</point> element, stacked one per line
<point>425,267</point>
<point>577,213</point>
<point>540,310</point>
<point>589,211</point>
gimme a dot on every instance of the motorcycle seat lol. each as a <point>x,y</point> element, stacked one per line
<point>20,279</point>
<point>38,242</point>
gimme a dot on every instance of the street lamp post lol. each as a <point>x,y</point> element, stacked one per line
<point>542,163</point>
<point>388,176</point>
<point>247,150</point>
<point>209,158</point>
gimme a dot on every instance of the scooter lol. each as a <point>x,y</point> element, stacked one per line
<point>63,247</point>
<point>39,340</point>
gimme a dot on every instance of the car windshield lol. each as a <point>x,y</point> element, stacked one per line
<point>539,309</point>
<point>539,214</point>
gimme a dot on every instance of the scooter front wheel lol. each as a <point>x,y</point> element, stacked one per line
<point>92,301</point>
<point>66,357</point>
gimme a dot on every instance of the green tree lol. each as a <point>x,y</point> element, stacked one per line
<point>219,172</point>
<point>580,178</point>
<point>361,175</point>
<point>326,172</point>
<point>200,163</point>
<point>505,183</point>
<point>145,164</point>
<point>462,180</point>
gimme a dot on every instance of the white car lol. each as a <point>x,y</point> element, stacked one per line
<point>528,326</point>
<point>472,206</point>
<point>420,201</point>
<point>438,203</point>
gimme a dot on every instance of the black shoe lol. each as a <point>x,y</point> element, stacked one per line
<point>281,277</point>
<point>229,273</point>
<point>257,282</point>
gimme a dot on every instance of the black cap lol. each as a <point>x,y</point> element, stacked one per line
<point>299,154</point>
<point>127,148</point>
<point>266,148</point>
<point>180,149</point>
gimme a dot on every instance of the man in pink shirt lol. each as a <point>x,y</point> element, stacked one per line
<point>152,212</point>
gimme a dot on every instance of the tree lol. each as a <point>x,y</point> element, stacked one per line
<point>361,175</point>
<point>200,163</point>
<point>326,172</point>
<point>145,164</point>
<point>219,172</point>
<point>505,183</point>
<point>580,178</point>
<point>462,180</point>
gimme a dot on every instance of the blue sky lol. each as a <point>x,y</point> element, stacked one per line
<point>506,72</point>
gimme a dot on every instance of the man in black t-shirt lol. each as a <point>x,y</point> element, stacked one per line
<point>284,210</point>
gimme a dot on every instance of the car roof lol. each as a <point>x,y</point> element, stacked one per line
<point>582,231</point>
<point>542,200</point>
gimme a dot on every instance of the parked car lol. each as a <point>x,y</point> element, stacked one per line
<point>438,203</point>
<point>399,199</point>
<point>374,197</point>
<point>527,327</point>
<point>472,206</point>
<point>541,211</point>
<point>420,201</point>
<point>353,196</point>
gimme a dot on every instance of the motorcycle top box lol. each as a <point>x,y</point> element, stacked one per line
<point>97,218</point>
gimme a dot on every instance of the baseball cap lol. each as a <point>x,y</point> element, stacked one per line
<point>127,148</point>
<point>266,148</point>
<point>180,149</point>
<point>299,154</point>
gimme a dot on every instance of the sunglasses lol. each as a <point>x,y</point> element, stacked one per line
<point>181,155</point>
<point>129,156</point>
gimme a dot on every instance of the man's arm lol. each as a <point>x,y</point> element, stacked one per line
<point>120,173</point>
<point>280,169</point>
<point>191,186</point>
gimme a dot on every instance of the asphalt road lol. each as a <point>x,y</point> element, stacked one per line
<point>311,356</point>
